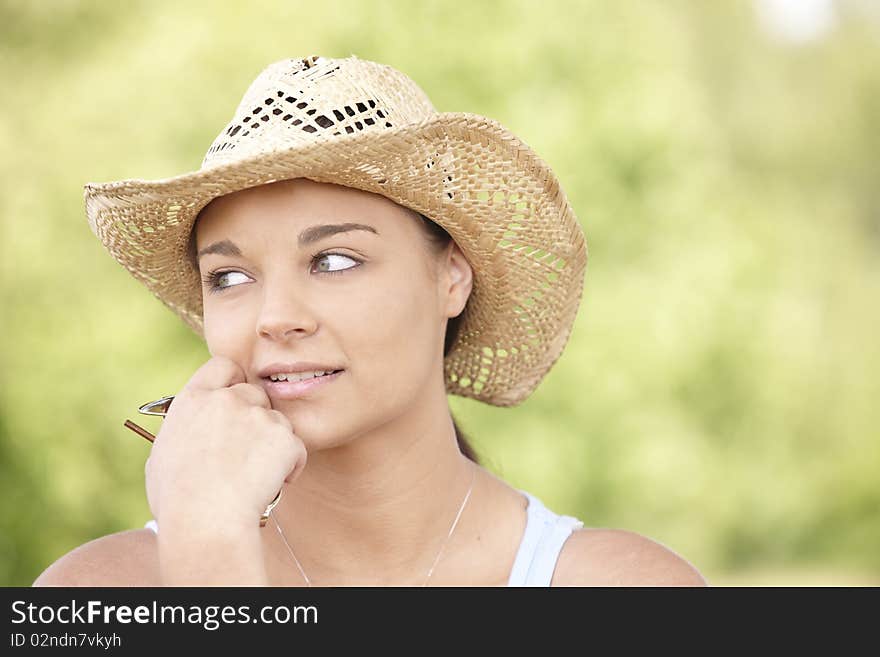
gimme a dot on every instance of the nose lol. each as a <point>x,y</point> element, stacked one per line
<point>285,314</point>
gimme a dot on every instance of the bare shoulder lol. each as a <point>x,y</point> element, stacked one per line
<point>616,557</point>
<point>128,558</point>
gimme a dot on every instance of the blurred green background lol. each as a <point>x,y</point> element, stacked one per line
<point>720,390</point>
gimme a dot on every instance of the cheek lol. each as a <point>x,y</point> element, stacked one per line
<point>391,337</point>
<point>227,334</point>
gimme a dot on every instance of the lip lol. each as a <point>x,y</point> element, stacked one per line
<point>301,366</point>
<point>286,390</point>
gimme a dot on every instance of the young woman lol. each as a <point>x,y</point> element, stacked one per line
<point>351,257</point>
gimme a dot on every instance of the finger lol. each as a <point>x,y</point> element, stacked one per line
<point>297,469</point>
<point>252,395</point>
<point>282,419</point>
<point>217,372</point>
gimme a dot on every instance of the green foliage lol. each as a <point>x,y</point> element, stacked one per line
<point>719,391</point>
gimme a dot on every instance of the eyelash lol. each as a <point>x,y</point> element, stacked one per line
<point>210,279</point>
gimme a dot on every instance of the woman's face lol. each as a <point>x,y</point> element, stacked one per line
<point>280,286</point>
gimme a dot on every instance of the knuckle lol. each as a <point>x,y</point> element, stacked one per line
<point>281,418</point>
<point>216,369</point>
<point>277,431</point>
<point>297,449</point>
<point>285,438</point>
<point>239,391</point>
<point>296,446</point>
<point>224,395</point>
<point>257,417</point>
<point>261,395</point>
<point>256,393</point>
<point>253,393</point>
<point>257,412</point>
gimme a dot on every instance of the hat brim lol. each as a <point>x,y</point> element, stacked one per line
<point>493,194</point>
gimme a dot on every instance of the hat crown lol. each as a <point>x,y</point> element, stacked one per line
<point>296,101</point>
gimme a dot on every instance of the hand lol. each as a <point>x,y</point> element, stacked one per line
<point>222,452</point>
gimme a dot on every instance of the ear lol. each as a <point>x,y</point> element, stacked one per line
<point>456,279</point>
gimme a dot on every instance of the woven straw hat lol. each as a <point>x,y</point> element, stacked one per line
<point>368,126</point>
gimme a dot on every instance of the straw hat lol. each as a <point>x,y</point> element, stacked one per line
<point>365,125</point>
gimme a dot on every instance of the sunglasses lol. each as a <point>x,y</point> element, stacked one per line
<point>160,407</point>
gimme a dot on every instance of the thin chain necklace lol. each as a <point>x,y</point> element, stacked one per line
<point>430,572</point>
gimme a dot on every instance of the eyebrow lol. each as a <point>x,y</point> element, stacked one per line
<point>308,236</point>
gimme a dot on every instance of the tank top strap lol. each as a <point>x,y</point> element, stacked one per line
<point>152,524</point>
<point>541,544</point>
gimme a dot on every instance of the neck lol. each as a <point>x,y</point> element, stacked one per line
<point>378,510</point>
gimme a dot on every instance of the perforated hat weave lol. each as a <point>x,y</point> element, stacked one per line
<point>368,126</point>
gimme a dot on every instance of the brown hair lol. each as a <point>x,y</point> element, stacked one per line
<point>438,239</point>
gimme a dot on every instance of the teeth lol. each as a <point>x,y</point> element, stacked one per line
<point>297,376</point>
